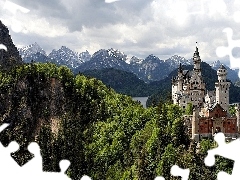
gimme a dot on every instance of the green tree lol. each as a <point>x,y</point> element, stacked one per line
<point>189,109</point>
<point>168,159</point>
<point>232,110</point>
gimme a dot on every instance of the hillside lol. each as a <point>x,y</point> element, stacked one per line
<point>128,83</point>
<point>104,134</point>
<point>121,81</point>
<point>73,118</point>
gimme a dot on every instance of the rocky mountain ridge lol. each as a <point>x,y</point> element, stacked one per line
<point>10,57</point>
<point>149,69</point>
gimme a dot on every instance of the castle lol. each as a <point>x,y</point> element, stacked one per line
<point>210,108</point>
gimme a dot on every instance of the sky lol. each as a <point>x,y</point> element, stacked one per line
<point>136,27</point>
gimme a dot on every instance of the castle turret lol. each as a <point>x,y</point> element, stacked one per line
<point>237,108</point>
<point>197,86</point>
<point>222,88</point>
<point>180,78</point>
<point>197,61</point>
<point>195,124</point>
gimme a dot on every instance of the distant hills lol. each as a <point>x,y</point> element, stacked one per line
<point>128,83</point>
<point>121,81</point>
<point>163,87</point>
<point>232,74</point>
<point>149,69</point>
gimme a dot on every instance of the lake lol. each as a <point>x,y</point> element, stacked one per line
<point>143,100</point>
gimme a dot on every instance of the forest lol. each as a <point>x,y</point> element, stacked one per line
<point>104,134</point>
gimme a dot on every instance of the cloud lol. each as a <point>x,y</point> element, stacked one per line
<point>136,27</point>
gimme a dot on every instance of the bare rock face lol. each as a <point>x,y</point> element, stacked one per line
<point>10,57</point>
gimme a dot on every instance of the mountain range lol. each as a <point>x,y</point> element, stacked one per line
<point>149,69</point>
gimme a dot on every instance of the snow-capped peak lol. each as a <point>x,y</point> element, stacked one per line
<point>175,60</point>
<point>31,49</point>
<point>136,60</point>
<point>215,64</point>
<point>84,56</point>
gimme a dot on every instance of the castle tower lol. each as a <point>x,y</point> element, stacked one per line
<point>222,88</point>
<point>197,61</point>
<point>180,78</point>
<point>195,124</point>
<point>237,108</point>
<point>197,86</point>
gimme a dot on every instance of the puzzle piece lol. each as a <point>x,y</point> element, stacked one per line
<point>236,16</point>
<point>16,25</point>
<point>177,171</point>
<point>2,46</point>
<point>159,178</point>
<point>223,51</point>
<point>227,150</point>
<point>13,8</point>
<point>8,162</point>
<point>111,1</point>
<point>33,169</point>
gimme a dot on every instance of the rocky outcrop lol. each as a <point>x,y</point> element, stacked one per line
<point>10,57</point>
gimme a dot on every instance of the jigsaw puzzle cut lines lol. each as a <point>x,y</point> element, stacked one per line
<point>32,169</point>
<point>227,150</point>
<point>111,1</point>
<point>177,171</point>
<point>13,8</point>
<point>224,51</point>
<point>2,46</point>
<point>159,178</point>
<point>236,16</point>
